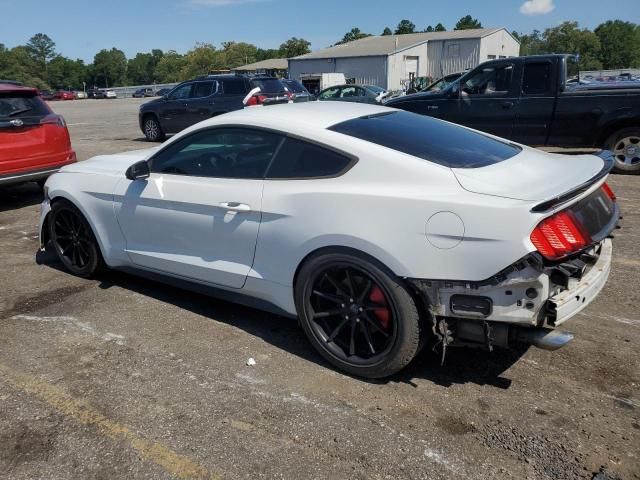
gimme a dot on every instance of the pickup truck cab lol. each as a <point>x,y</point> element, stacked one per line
<point>527,100</point>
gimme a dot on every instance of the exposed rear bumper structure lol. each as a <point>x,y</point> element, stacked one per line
<point>522,304</point>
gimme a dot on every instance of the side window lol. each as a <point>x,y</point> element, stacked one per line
<point>181,92</point>
<point>220,153</point>
<point>299,159</point>
<point>330,93</point>
<point>202,89</point>
<point>491,80</point>
<point>234,86</point>
<point>537,78</point>
<point>349,92</point>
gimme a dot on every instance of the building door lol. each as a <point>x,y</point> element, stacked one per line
<point>411,70</point>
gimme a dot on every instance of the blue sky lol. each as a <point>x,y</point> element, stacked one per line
<point>81,28</point>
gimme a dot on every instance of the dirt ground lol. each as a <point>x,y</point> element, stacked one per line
<point>125,378</point>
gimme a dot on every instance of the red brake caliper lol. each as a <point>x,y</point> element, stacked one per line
<point>382,314</point>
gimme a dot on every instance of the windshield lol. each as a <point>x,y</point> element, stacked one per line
<point>443,83</point>
<point>428,138</point>
<point>16,105</point>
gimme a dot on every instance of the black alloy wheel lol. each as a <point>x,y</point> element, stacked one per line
<point>73,240</point>
<point>358,315</point>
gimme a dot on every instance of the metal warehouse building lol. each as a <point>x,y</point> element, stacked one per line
<point>391,61</point>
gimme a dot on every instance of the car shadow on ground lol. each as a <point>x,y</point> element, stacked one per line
<point>461,365</point>
<point>19,196</point>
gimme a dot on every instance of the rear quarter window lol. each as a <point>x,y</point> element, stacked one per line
<point>298,159</point>
<point>428,138</point>
<point>18,105</point>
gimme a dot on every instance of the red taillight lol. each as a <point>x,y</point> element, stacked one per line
<point>53,119</point>
<point>607,189</point>
<point>559,235</point>
<point>256,100</point>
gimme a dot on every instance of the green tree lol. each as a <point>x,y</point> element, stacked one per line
<point>429,29</point>
<point>200,60</point>
<point>62,72</point>
<point>532,43</point>
<point>387,31</point>
<point>237,54</point>
<point>404,27</point>
<point>294,47</point>
<point>569,38</point>
<point>262,54</point>
<point>467,22</point>
<point>141,69</point>
<point>440,28</point>
<point>110,68</point>
<point>18,64</point>
<point>169,67</point>
<point>42,49</point>
<point>353,34</point>
<point>619,44</point>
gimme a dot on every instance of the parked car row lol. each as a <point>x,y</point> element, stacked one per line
<point>204,97</point>
<point>211,95</point>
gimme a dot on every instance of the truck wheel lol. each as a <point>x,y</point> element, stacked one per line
<point>625,145</point>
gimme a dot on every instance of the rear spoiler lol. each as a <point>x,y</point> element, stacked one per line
<point>607,159</point>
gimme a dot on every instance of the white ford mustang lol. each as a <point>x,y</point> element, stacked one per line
<point>378,228</point>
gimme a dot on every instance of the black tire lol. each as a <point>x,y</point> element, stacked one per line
<point>625,145</point>
<point>351,335</point>
<point>73,240</point>
<point>152,129</point>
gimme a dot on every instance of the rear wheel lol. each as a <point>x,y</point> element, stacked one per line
<point>152,129</point>
<point>73,239</point>
<point>625,145</point>
<point>357,314</point>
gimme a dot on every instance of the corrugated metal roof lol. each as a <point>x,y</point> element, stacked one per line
<point>270,64</point>
<point>388,44</point>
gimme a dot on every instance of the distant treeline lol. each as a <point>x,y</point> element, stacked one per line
<point>613,44</point>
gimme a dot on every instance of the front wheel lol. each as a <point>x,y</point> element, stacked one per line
<point>73,240</point>
<point>152,129</point>
<point>625,145</point>
<point>357,314</point>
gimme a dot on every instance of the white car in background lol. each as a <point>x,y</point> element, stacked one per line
<point>110,94</point>
<point>378,228</point>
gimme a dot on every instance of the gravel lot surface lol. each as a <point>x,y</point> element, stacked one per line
<point>125,378</point>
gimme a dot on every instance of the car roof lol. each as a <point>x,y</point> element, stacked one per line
<point>9,87</point>
<point>310,114</point>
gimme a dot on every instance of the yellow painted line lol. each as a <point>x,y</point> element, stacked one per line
<point>180,466</point>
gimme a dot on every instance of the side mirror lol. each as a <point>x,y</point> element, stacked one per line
<point>138,171</point>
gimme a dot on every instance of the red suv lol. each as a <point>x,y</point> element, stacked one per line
<point>34,141</point>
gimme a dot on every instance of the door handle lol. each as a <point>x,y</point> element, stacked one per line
<point>507,105</point>
<point>236,206</point>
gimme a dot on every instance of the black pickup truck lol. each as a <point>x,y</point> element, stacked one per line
<point>528,100</point>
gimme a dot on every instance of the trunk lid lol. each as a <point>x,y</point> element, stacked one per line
<point>532,175</point>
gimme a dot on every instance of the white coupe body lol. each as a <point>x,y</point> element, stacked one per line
<point>447,230</point>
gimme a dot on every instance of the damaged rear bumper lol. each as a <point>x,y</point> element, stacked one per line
<point>523,303</point>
